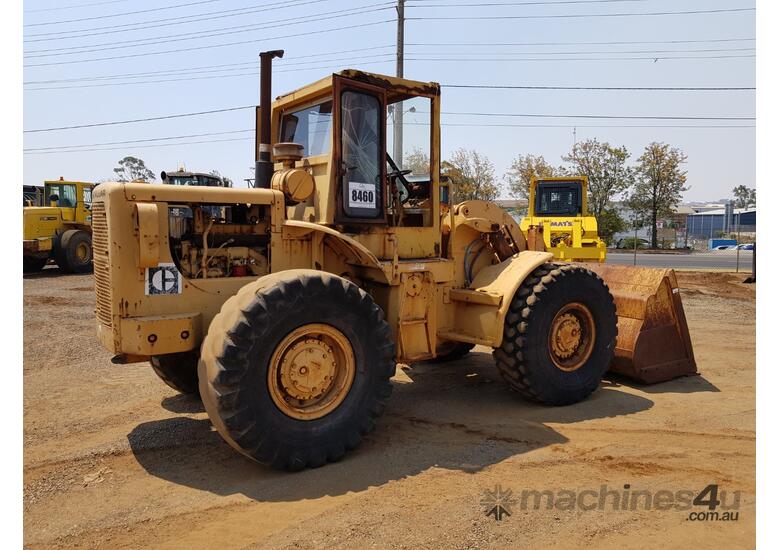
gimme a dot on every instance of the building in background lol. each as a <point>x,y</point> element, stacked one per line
<point>723,221</point>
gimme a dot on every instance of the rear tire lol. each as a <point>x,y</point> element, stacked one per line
<point>31,264</point>
<point>178,370</point>
<point>74,252</point>
<point>266,340</point>
<point>559,335</point>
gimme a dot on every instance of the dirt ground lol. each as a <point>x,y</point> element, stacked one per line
<point>114,458</point>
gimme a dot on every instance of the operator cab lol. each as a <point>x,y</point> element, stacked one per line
<point>375,155</point>
<point>181,177</point>
<point>558,198</point>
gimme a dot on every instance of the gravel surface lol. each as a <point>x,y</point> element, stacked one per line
<point>114,458</point>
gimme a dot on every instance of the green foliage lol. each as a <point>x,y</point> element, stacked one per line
<point>472,174</point>
<point>133,169</point>
<point>744,196</point>
<point>610,223</point>
<point>523,169</point>
<point>659,184</point>
<point>631,242</point>
<point>606,167</point>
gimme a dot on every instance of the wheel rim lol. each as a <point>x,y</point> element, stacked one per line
<point>572,337</point>
<point>311,371</point>
<point>82,252</point>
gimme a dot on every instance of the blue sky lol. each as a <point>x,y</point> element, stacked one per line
<point>437,50</point>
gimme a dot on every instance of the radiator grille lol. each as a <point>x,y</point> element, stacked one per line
<point>101,263</point>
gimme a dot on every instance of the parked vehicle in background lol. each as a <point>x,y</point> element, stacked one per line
<point>197,179</point>
<point>628,242</point>
<point>60,228</point>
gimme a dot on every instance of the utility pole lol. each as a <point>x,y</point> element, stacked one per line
<point>398,108</point>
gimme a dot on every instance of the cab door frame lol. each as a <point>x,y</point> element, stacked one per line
<point>340,85</point>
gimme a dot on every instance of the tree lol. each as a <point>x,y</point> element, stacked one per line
<point>744,196</point>
<point>660,183</point>
<point>133,169</point>
<point>522,169</point>
<point>417,161</point>
<point>472,174</point>
<point>227,182</point>
<point>611,222</point>
<point>607,170</point>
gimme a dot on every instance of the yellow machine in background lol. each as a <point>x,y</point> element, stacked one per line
<point>62,230</point>
<point>558,212</point>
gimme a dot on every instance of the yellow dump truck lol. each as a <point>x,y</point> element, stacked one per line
<point>558,214</point>
<point>62,230</point>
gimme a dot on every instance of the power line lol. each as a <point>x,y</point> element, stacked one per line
<point>358,62</point>
<point>155,9</point>
<point>622,117</point>
<point>138,140</point>
<point>548,59</point>
<point>166,22</point>
<point>208,77</point>
<point>196,70</point>
<point>214,111</point>
<point>537,3</point>
<point>621,42</point>
<point>136,146</point>
<point>120,45</point>
<point>75,6</point>
<point>285,63</point>
<point>81,149</point>
<point>578,15</point>
<point>604,88</point>
<point>222,45</point>
<point>116,122</point>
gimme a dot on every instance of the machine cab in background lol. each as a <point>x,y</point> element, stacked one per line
<point>558,198</point>
<point>73,198</point>
<point>558,207</point>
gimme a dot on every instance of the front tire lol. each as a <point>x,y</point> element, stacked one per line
<point>559,335</point>
<point>296,367</point>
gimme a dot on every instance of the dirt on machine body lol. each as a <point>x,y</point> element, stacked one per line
<point>288,305</point>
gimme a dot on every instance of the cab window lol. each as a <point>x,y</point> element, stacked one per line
<point>560,199</point>
<point>409,146</point>
<point>64,192</point>
<point>362,154</point>
<point>310,127</point>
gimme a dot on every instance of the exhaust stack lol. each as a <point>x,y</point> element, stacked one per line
<point>264,167</point>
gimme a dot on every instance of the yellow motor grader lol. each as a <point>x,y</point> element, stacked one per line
<point>289,309</point>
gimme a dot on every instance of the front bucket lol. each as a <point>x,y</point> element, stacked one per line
<point>653,343</point>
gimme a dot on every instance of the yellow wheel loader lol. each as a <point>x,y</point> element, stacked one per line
<point>288,305</point>
<point>60,231</point>
<point>558,213</point>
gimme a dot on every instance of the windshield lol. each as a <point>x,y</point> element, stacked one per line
<point>63,193</point>
<point>195,179</point>
<point>409,135</point>
<point>558,199</point>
